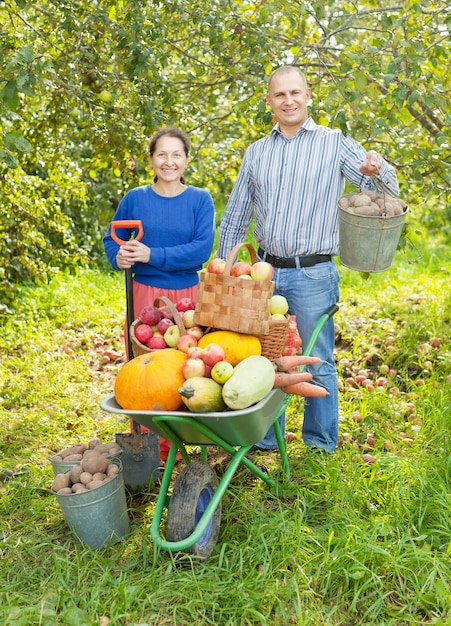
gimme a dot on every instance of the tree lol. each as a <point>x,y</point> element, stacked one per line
<point>83,84</point>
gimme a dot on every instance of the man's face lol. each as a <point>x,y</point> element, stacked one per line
<point>288,98</point>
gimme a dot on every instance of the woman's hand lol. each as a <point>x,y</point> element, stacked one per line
<point>132,252</point>
<point>372,164</point>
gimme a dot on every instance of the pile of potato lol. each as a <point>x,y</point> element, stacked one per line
<point>77,451</point>
<point>94,470</point>
<point>373,204</point>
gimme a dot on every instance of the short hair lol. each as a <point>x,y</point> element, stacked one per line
<point>170,131</point>
<point>286,69</point>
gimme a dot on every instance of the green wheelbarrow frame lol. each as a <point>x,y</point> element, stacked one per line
<point>234,431</point>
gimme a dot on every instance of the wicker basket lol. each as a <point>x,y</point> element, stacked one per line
<point>138,347</point>
<point>229,303</point>
<point>273,343</point>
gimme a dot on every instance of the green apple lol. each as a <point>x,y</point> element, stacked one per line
<point>221,371</point>
<point>172,335</point>
<point>278,304</point>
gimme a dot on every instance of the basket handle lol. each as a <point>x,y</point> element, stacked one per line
<point>177,317</point>
<point>234,253</point>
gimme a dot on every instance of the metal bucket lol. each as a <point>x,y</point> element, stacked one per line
<point>367,243</point>
<point>98,515</point>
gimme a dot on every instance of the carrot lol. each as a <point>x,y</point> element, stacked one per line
<point>288,363</point>
<point>306,389</point>
<point>284,379</point>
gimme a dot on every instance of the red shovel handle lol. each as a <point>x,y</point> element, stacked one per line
<point>126,224</point>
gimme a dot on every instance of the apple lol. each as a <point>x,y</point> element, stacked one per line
<point>216,266</point>
<point>278,304</point>
<point>185,304</point>
<point>245,276</point>
<point>166,312</point>
<point>164,324</point>
<point>277,316</point>
<point>143,333</point>
<point>105,95</point>
<point>150,315</point>
<point>193,367</point>
<point>222,371</point>
<point>156,343</point>
<point>208,369</point>
<point>262,271</point>
<point>195,331</point>
<point>172,335</point>
<point>188,318</point>
<point>212,354</point>
<point>185,342</point>
<point>195,352</point>
<point>240,269</point>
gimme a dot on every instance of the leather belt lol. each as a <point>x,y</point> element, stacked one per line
<point>293,261</point>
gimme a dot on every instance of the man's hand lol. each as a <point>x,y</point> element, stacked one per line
<point>372,164</point>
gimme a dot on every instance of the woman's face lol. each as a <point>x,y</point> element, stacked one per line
<point>169,160</point>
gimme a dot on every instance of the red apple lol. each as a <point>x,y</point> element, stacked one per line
<point>172,335</point>
<point>185,304</point>
<point>185,342</point>
<point>216,266</point>
<point>262,271</point>
<point>195,331</point>
<point>164,324</point>
<point>150,315</point>
<point>166,312</point>
<point>195,352</point>
<point>143,333</point>
<point>193,367</point>
<point>241,268</point>
<point>156,343</point>
<point>208,369</point>
<point>212,354</point>
<point>188,318</point>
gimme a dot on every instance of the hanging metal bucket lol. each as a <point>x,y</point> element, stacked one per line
<point>367,243</point>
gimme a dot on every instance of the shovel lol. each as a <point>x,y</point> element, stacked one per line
<point>140,450</point>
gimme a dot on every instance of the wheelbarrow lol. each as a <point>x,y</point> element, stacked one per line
<point>194,507</point>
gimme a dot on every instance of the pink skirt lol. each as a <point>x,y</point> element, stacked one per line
<point>143,296</point>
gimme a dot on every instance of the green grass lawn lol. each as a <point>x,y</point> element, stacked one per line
<point>362,536</point>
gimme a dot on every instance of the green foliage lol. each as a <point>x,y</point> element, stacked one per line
<point>83,86</point>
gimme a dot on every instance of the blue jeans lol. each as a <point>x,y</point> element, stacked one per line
<point>310,292</point>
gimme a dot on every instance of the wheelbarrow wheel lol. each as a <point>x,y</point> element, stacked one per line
<point>193,490</point>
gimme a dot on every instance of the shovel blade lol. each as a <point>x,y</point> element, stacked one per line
<point>140,459</point>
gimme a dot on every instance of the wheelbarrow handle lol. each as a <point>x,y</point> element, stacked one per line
<point>126,224</point>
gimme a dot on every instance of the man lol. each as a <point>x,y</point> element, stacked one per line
<point>292,180</point>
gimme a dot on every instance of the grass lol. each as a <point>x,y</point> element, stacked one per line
<point>345,542</point>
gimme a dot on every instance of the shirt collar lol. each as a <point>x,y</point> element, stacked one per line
<point>308,125</point>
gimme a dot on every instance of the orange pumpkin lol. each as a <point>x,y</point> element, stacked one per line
<point>151,381</point>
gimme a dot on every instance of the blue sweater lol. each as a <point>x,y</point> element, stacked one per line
<point>179,232</point>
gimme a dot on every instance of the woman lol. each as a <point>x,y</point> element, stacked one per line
<point>179,227</point>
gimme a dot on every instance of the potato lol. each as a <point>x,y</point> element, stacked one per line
<point>113,470</point>
<point>94,462</point>
<point>94,484</point>
<point>103,448</point>
<point>364,210</point>
<point>93,443</point>
<point>65,490</point>
<point>99,476</point>
<point>60,481</point>
<point>85,477</point>
<point>344,202</point>
<point>361,199</point>
<point>77,449</point>
<point>75,473</point>
<point>73,457</point>
<point>114,447</point>
<point>78,488</point>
